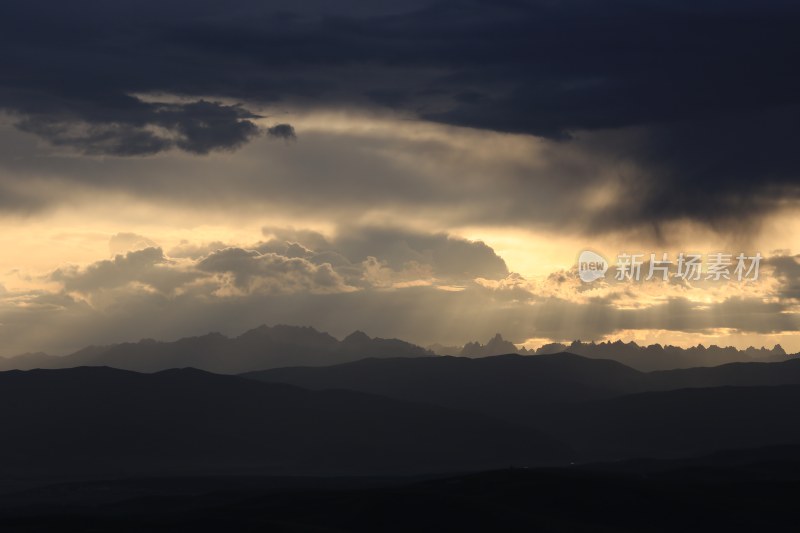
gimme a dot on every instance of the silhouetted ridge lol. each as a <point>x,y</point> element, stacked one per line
<point>257,349</point>
<point>646,358</point>
<point>497,345</point>
<point>520,387</point>
<point>736,374</point>
<point>96,421</point>
<point>513,387</point>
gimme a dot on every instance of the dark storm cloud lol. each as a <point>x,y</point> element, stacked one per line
<point>709,90</point>
<point>282,131</point>
<point>786,268</point>
<point>139,128</point>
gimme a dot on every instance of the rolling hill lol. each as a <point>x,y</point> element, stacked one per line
<point>98,421</point>
<point>513,387</point>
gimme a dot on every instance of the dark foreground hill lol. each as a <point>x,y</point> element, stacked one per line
<point>513,387</point>
<point>98,421</point>
<point>518,387</point>
<point>678,423</point>
<point>593,405</point>
<point>747,492</point>
<point>731,374</point>
<point>257,349</point>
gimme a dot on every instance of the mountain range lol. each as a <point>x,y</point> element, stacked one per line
<point>646,358</point>
<point>278,346</point>
<point>418,414</point>
<point>259,348</point>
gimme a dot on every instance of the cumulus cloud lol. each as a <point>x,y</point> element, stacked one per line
<point>148,266</point>
<point>121,243</point>
<point>424,314</point>
<point>251,271</point>
<point>447,257</point>
<point>297,276</point>
<point>406,288</point>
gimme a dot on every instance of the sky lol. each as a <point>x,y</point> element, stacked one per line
<point>424,170</point>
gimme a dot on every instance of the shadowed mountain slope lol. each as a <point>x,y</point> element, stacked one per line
<point>731,374</point>
<point>678,423</point>
<point>524,389</point>
<point>508,386</point>
<point>101,421</point>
